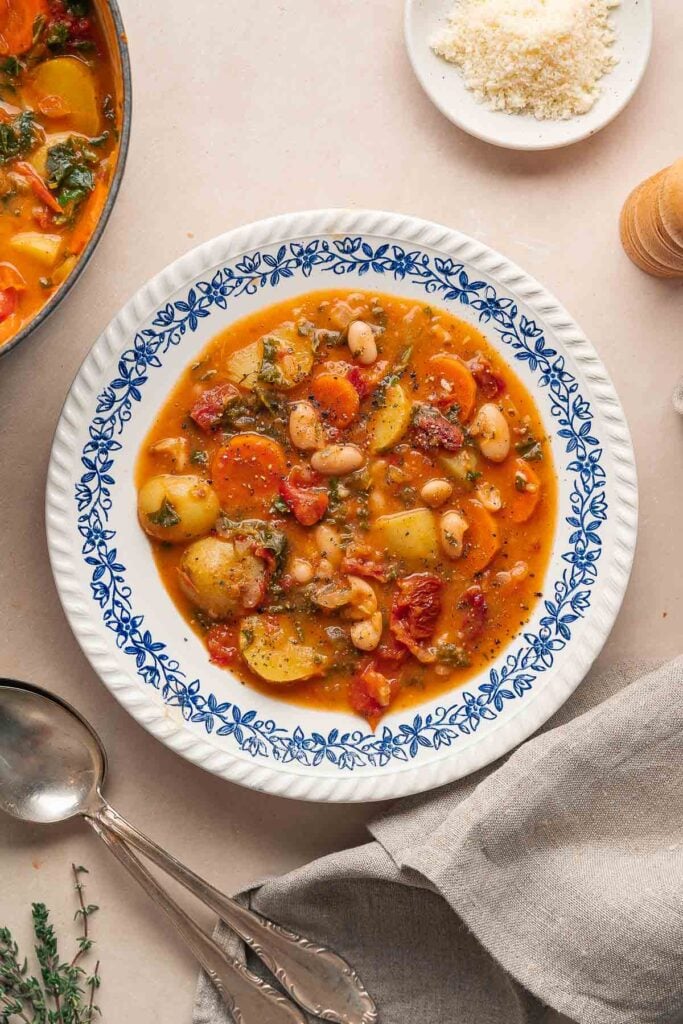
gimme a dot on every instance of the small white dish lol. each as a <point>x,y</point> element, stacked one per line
<point>129,627</point>
<point>445,86</point>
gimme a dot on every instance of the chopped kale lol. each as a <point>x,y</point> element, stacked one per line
<point>58,35</point>
<point>79,8</point>
<point>269,372</point>
<point>17,137</point>
<point>530,449</point>
<point>165,515</point>
<point>451,654</point>
<point>472,475</point>
<point>70,171</point>
<point>99,140</point>
<point>393,377</point>
<point>279,507</point>
<point>199,457</point>
<point>407,495</point>
<point>10,67</point>
<point>247,637</point>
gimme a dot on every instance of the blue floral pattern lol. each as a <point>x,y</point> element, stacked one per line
<point>568,597</point>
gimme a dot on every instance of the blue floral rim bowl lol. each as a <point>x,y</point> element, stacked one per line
<point>127,624</point>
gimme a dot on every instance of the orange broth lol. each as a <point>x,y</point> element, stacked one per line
<point>484,597</point>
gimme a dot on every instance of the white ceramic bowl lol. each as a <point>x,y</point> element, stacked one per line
<point>127,624</point>
<point>444,84</point>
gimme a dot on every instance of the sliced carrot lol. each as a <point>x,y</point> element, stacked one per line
<point>337,397</point>
<point>16,25</point>
<point>525,490</point>
<point>11,278</point>
<point>483,537</point>
<point>88,216</point>
<point>247,471</point>
<point>39,187</point>
<point>54,106</point>
<point>462,385</point>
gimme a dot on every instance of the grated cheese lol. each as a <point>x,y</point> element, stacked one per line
<point>541,57</point>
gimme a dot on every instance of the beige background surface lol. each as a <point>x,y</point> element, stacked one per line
<point>254,109</point>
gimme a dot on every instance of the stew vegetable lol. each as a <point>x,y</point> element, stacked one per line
<point>351,500</point>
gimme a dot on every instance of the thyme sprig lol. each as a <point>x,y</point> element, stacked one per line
<point>65,991</point>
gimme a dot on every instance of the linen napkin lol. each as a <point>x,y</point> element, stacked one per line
<point>554,878</point>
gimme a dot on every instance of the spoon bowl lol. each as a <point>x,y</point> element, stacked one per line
<point>52,766</point>
<point>52,763</point>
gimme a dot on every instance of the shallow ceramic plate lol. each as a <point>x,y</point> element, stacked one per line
<point>127,624</point>
<point>444,85</point>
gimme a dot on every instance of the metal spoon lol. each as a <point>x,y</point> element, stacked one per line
<point>52,766</point>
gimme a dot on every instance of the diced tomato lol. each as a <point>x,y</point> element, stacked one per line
<point>308,502</point>
<point>415,608</point>
<point>390,653</point>
<point>79,28</point>
<point>473,601</point>
<point>371,693</point>
<point>363,561</point>
<point>9,300</point>
<point>366,378</point>
<point>221,641</point>
<point>432,430</point>
<point>491,384</point>
<point>209,408</point>
<point>42,217</point>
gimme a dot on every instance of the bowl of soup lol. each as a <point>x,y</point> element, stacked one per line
<point>65,106</point>
<point>342,505</point>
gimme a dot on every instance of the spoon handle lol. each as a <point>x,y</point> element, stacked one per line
<point>249,999</point>
<point>315,976</point>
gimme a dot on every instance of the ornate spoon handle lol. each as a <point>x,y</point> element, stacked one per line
<point>315,976</point>
<point>249,999</point>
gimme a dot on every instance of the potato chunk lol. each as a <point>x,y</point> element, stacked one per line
<point>282,358</point>
<point>410,535</point>
<point>41,247</point>
<point>72,81</point>
<point>391,421</point>
<point>177,508</point>
<point>271,649</point>
<point>222,579</point>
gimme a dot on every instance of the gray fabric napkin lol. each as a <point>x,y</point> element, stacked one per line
<point>554,878</point>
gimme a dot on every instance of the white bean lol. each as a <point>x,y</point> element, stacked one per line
<point>305,428</point>
<point>493,433</point>
<point>337,459</point>
<point>363,602</point>
<point>452,529</point>
<point>301,570</point>
<point>489,496</point>
<point>436,492</point>
<point>366,634</point>
<point>361,342</point>
<point>332,595</point>
<point>329,543</point>
<point>325,570</point>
